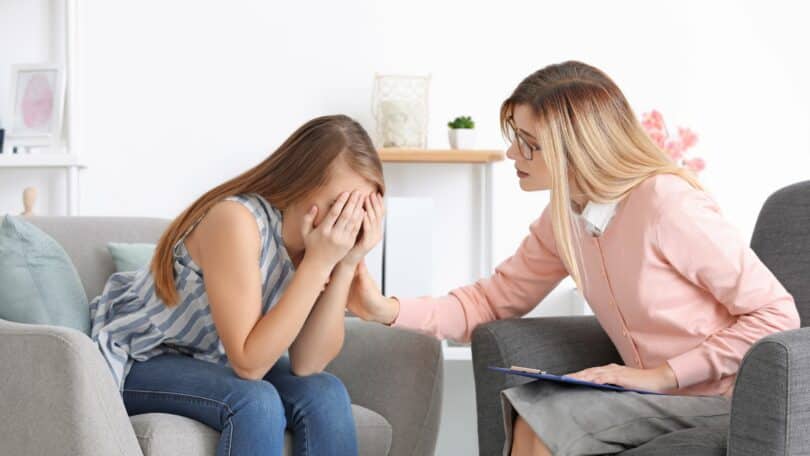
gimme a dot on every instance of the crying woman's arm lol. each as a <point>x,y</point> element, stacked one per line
<point>321,338</point>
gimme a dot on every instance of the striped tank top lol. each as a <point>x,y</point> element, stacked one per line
<point>130,323</point>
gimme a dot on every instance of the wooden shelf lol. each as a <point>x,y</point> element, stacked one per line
<point>396,155</point>
<point>39,160</point>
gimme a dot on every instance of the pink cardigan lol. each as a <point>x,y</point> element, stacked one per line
<point>670,281</point>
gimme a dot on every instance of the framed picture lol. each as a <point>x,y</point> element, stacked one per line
<point>37,102</point>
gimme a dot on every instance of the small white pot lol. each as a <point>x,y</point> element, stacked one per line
<point>461,138</point>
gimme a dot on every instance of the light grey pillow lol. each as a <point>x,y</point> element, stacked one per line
<point>38,282</point>
<point>130,256</point>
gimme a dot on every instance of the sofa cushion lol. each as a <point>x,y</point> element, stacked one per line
<point>161,434</point>
<point>38,282</point>
<point>130,256</point>
<point>85,240</point>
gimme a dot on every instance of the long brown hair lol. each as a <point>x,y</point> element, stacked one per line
<point>587,132</point>
<point>299,166</point>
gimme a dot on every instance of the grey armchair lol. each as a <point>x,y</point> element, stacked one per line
<point>57,396</point>
<point>770,411</point>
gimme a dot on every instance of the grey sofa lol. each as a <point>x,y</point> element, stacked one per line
<point>58,398</point>
<point>770,413</point>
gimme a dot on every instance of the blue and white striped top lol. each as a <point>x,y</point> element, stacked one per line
<point>130,323</point>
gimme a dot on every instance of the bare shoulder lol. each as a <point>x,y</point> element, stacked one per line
<point>228,226</point>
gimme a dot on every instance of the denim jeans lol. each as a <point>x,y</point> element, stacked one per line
<point>251,415</point>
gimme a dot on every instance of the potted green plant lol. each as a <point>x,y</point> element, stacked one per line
<point>461,133</point>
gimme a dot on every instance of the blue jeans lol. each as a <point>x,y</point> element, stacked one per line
<point>250,415</point>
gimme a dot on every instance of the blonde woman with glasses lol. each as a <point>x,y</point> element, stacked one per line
<point>673,284</point>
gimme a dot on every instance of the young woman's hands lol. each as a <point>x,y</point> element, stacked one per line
<point>372,230</point>
<point>329,243</point>
<point>659,379</point>
<point>366,301</point>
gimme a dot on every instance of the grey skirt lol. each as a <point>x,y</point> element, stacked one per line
<point>575,420</point>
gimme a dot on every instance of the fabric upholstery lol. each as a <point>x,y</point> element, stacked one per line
<point>129,256</point>
<point>781,239</point>
<point>57,396</point>
<point>558,345</point>
<point>770,410</point>
<point>161,434</point>
<point>398,374</point>
<point>394,373</point>
<point>85,240</point>
<point>38,283</point>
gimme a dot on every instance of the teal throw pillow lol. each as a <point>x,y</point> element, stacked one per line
<point>38,282</point>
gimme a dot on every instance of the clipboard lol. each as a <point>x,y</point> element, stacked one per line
<point>543,375</point>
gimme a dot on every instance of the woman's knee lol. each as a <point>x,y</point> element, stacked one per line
<point>260,402</point>
<point>520,436</point>
<point>324,393</point>
<point>525,441</point>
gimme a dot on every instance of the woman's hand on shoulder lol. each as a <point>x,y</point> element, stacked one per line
<point>331,240</point>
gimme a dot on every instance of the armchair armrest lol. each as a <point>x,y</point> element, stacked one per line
<point>770,409</point>
<point>57,395</point>
<point>398,374</point>
<point>556,344</point>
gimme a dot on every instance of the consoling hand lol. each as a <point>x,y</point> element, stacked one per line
<point>367,302</point>
<point>337,233</point>
<point>659,379</point>
<point>372,230</point>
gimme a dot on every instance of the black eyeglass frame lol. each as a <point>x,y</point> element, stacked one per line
<point>525,149</point>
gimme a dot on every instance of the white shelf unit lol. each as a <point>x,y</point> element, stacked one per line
<point>39,160</point>
<point>484,161</point>
<point>65,51</point>
<point>69,162</point>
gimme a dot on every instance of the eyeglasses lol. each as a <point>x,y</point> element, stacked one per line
<point>525,149</point>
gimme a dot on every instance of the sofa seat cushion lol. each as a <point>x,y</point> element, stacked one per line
<point>162,434</point>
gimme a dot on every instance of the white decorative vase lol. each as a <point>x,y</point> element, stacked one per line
<point>400,107</point>
<point>461,138</point>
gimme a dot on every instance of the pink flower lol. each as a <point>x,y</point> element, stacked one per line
<point>688,137</point>
<point>695,164</point>
<point>675,149</point>
<point>653,121</point>
<point>653,124</point>
<point>658,138</point>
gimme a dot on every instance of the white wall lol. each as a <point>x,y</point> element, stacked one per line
<point>180,95</point>
<point>735,72</point>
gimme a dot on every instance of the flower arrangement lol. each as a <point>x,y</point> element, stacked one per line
<point>676,147</point>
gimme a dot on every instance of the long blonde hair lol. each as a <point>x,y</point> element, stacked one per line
<point>299,166</point>
<point>587,132</point>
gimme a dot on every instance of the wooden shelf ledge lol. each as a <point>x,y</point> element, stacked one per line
<point>397,155</point>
